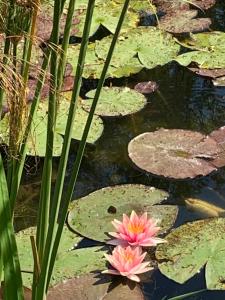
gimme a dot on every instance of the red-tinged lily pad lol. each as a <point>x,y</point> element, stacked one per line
<point>166,6</point>
<point>203,4</point>
<point>219,136</point>
<point>91,216</point>
<point>147,87</point>
<point>212,73</point>
<point>184,21</point>
<point>89,287</point>
<point>174,153</point>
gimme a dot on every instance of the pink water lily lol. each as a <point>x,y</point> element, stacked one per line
<point>127,261</point>
<point>136,231</point>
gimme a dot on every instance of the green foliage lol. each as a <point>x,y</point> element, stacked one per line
<point>192,246</point>
<point>91,216</point>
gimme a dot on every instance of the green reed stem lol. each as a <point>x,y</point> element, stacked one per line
<point>13,288</point>
<point>66,145</point>
<point>68,197</point>
<point>47,170</point>
<point>65,42</point>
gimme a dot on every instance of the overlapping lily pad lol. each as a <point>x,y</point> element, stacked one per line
<point>192,246</point>
<point>89,287</point>
<point>209,51</point>
<point>91,216</point>
<point>116,101</point>
<point>139,42</point>
<point>219,136</point>
<point>69,263</point>
<point>174,153</point>
<point>183,22</point>
<point>37,140</point>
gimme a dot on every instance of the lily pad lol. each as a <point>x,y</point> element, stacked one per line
<point>174,153</point>
<point>209,51</point>
<point>91,216</point>
<point>192,246</point>
<point>116,101</point>
<point>219,136</point>
<point>69,263</point>
<point>139,41</point>
<point>37,140</point>
<point>184,21</point>
<point>108,18</point>
<point>146,87</point>
<point>91,287</point>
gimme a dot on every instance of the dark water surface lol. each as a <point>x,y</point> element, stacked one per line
<point>185,101</point>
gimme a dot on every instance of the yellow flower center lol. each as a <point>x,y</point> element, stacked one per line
<point>128,257</point>
<point>135,228</point>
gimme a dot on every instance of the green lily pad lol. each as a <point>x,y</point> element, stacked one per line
<point>139,41</point>
<point>93,65</point>
<point>37,140</point>
<point>116,101</point>
<point>108,18</point>
<point>209,51</point>
<point>192,246</point>
<point>69,263</point>
<point>174,153</point>
<point>91,216</point>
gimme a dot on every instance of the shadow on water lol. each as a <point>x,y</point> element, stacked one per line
<point>184,100</point>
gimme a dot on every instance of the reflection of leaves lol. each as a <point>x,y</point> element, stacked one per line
<point>91,216</point>
<point>190,247</point>
<point>174,153</point>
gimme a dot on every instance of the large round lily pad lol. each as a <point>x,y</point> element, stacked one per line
<point>91,216</point>
<point>91,287</point>
<point>116,101</point>
<point>209,51</point>
<point>219,136</point>
<point>139,41</point>
<point>69,263</point>
<point>174,153</point>
<point>37,140</point>
<point>192,246</point>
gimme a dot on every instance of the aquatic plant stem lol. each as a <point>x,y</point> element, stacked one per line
<point>66,146</point>
<point>45,194</point>
<point>13,288</point>
<point>82,144</point>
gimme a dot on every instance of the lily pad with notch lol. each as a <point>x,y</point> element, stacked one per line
<point>191,247</point>
<point>91,215</point>
<point>116,102</point>
<point>174,153</point>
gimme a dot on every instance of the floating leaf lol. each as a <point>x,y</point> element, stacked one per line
<point>69,263</point>
<point>209,51</point>
<point>116,101</point>
<point>204,208</point>
<point>213,73</point>
<point>219,136</point>
<point>91,216</point>
<point>139,41</point>
<point>190,247</point>
<point>108,18</point>
<point>89,287</point>
<point>37,140</point>
<point>174,153</point>
<point>183,21</point>
<point>146,87</point>
<point>219,81</point>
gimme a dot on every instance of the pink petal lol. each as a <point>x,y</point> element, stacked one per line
<point>133,277</point>
<point>114,234</point>
<point>117,242</point>
<point>140,268</point>
<point>133,217</point>
<point>117,224</point>
<point>144,218</point>
<point>126,219</point>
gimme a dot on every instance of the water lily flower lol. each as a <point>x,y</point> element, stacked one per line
<point>135,231</point>
<point>127,261</point>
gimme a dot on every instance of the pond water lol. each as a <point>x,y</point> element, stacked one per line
<point>183,100</point>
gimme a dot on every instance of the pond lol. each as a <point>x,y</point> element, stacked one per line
<point>183,100</point>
